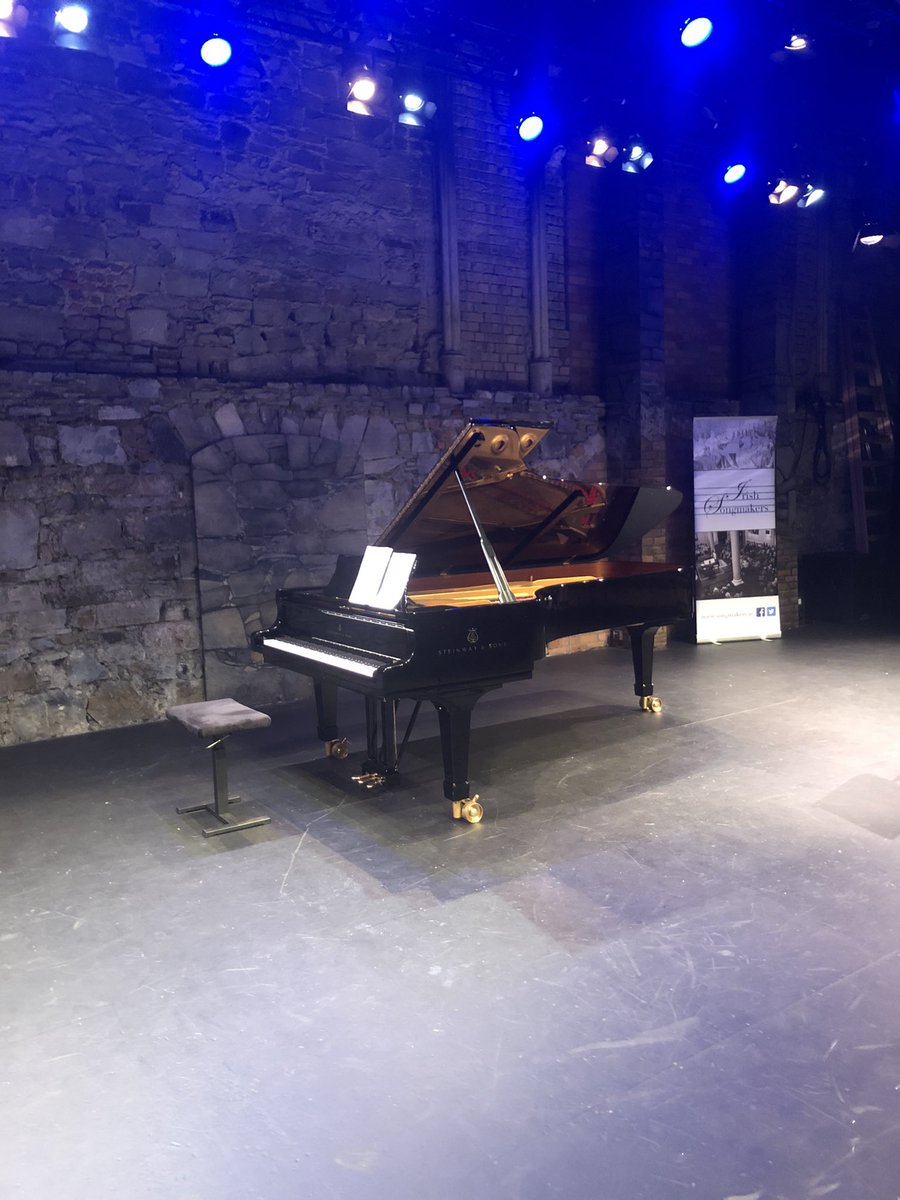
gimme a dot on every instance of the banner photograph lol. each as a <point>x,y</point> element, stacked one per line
<point>734,529</point>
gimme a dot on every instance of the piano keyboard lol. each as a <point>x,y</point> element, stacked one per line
<point>343,660</point>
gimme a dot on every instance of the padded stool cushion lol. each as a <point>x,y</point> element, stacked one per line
<point>214,718</point>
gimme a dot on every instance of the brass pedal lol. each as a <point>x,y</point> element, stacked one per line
<point>370,780</point>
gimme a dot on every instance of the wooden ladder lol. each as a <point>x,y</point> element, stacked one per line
<point>867,423</point>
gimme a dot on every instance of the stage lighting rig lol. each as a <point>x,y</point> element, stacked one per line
<point>362,88</point>
<point>812,193</point>
<point>416,109</point>
<point>601,151</point>
<point>636,157</point>
<point>73,18</point>
<point>530,127</point>
<point>695,31</point>
<point>870,234</point>
<point>216,51</point>
<point>783,191</point>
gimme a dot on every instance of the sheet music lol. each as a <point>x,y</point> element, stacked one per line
<point>383,577</point>
<point>396,577</point>
<point>371,574</point>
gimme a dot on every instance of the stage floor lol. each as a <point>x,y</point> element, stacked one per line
<point>666,964</point>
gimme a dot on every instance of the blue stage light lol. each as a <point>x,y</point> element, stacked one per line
<point>73,18</point>
<point>695,31</point>
<point>215,51</point>
<point>735,172</point>
<point>531,127</point>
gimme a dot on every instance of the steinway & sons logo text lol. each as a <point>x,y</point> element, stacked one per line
<point>473,645</point>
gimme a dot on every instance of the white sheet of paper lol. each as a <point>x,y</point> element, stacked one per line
<point>371,574</point>
<point>396,577</point>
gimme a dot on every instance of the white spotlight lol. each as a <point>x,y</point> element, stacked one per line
<point>73,18</point>
<point>811,195</point>
<point>363,88</point>
<point>637,157</point>
<point>601,151</point>
<point>870,234</point>
<point>783,192</point>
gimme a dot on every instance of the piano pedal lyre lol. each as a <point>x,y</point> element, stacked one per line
<point>337,748</point>
<point>371,779</point>
<point>467,810</point>
<point>651,704</point>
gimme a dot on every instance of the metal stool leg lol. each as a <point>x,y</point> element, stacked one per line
<point>220,795</point>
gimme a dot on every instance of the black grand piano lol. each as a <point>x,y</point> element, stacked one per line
<point>505,561</point>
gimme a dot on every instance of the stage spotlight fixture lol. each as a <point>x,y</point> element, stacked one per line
<point>695,31</point>
<point>6,9</point>
<point>636,156</point>
<point>734,173</point>
<point>363,89</point>
<point>797,42</point>
<point>73,18</point>
<point>812,194</point>
<point>415,109</point>
<point>783,191</point>
<point>601,151</point>
<point>215,51</point>
<point>530,127</point>
<point>870,235</point>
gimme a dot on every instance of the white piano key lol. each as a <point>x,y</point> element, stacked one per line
<point>344,662</point>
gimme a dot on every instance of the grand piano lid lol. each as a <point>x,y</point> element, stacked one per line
<point>529,519</point>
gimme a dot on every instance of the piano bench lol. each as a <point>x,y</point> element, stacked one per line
<point>219,719</point>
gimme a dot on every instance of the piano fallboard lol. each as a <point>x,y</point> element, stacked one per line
<point>413,653</point>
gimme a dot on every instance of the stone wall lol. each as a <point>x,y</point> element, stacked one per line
<point>100,593</point>
<point>160,217</point>
<point>223,297</point>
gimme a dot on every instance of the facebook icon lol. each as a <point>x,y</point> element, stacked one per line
<point>761,612</point>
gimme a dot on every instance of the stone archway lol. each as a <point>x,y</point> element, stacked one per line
<point>271,511</point>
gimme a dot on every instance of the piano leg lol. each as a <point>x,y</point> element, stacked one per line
<point>388,756</point>
<point>371,763</point>
<point>381,742</point>
<point>326,720</point>
<point>642,656</point>
<point>326,710</point>
<point>455,717</point>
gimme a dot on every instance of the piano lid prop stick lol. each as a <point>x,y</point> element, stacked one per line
<point>503,589</point>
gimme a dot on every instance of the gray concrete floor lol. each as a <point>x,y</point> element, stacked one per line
<point>667,964</point>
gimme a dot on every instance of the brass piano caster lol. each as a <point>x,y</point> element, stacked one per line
<point>337,748</point>
<point>651,704</point>
<point>370,780</point>
<point>468,810</point>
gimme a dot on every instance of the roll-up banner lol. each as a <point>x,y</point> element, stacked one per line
<point>734,529</point>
